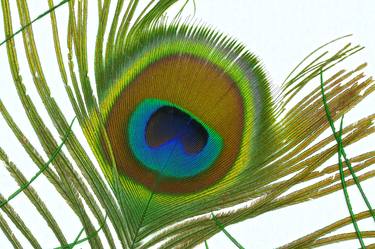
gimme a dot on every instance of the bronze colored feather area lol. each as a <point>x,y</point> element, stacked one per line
<point>195,85</point>
<point>189,134</point>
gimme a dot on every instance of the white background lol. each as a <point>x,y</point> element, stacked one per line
<point>281,33</point>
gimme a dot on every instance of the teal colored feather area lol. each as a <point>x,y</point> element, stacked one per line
<point>187,146</point>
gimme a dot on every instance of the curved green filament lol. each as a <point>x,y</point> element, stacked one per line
<point>34,20</point>
<point>340,150</point>
<point>77,241</point>
<point>222,228</point>
<point>54,155</point>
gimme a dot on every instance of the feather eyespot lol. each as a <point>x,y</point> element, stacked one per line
<point>185,113</point>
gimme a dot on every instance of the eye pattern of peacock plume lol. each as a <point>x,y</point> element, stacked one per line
<point>184,125</point>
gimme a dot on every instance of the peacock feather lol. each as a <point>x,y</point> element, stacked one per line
<point>187,133</point>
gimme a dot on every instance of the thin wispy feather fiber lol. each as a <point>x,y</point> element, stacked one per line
<point>188,132</point>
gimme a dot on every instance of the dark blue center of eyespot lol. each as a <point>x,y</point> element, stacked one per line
<point>171,141</point>
<point>169,124</point>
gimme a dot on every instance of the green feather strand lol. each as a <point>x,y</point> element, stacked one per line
<point>133,226</point>
<point>222,228</point>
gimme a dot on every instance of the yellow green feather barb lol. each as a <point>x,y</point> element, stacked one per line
<point>187,132</point>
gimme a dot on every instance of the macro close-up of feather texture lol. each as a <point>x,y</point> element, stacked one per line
<point>187,124</point>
